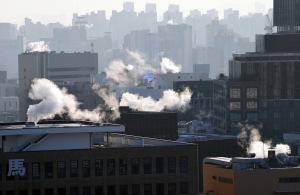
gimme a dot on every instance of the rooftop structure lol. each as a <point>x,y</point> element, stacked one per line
<point>227,175</point>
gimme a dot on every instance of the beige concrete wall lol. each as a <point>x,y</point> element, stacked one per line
<point>28,70</point>
<point>213,186</point>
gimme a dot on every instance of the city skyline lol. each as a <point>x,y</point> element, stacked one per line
<point>50,11</point>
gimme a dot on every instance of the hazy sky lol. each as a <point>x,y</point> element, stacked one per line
<point>14,11</point>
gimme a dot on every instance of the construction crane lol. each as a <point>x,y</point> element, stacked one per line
<point>269,25</point>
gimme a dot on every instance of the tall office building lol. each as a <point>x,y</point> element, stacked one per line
<point>276,68</point>
<point>260,8</point>
<point>173,15</point>
<point>71,67</point>
<point>176,43</point>
<point>128,6</point>
<point>8,31</point>
<point>286,15</point>
<point>150,7</point>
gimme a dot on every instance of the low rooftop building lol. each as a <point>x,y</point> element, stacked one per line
<point>88,158</point>
<point>275,175</point>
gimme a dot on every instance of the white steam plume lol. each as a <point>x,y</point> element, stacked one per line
<point>260,148</point>
<point>39,46</point>
<point>120,76</point>
<point>168,65</point>
<point>170,101</point>
<point>56,101</point>
<point>110,100</point>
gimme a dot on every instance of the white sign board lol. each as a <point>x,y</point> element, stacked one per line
<point>16,167</point>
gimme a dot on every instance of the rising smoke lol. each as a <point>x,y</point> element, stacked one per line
<point>168,65</point>
<point>259,147</point>
<point>39,46</point>
<point>170,101</point>
<point>57,101</point>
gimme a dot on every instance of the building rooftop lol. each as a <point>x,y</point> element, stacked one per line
<point>54,127</point>
<point>71,135</point>
<point>239,163</point>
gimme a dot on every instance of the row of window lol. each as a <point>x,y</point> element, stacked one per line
<point>111,190</point>
<point>225,180</point>
<point>111,167</point>
<point>236,92</point>
<point>289,180</point>
<point>238,105</point>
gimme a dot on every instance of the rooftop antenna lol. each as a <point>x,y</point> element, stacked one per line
<point>269,25</point>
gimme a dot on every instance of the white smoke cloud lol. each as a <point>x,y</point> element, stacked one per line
<point>171,22</point>
<point>56,101</point>
<point>168,65</point>
<point>39,46</point>
<point>120,76</point>
<point>260,148</point>
<point>110,100</point>
<point>170,101</point>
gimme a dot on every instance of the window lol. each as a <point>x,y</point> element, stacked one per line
<point>74,191</point>
<point>159,165</point>
<point>111,190</point>
<point>123,166</point>
<point>147,165</point>
<point>183,164</point>
<point>184,189</point>
<point>123,190</point>
<point>110,167</point>
<point>235,93</point>
<point>86,170</point>
<point>99,190</point>
<point>251,105</point>
<point>25,176</point>
<point>36,174</point>
<point>225,180</point>
<point>235,105</point>
<point>251,93</point>
<point>61,169</point>
<point>289,180</point>
<point>99,167</point>
<point>86,191</point>
<point>172,189</point>
<point>135,166</point>
<point>136,189</point>
<point>74,168</point>
<point>36,192</point>
<point>24,77</point>
<point>277,115</point>
<point>48,191</point>
<point>252,116</point>
<point>160,188</point>
<point>61,191</point>
<point>195,86</point>
<point>235,117</point>
<point>264,104</point>
<point>10,192</point>
<point>25,192</point>
<point>171,164</point>
<point>148,189</point>
<point>24,69</point>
